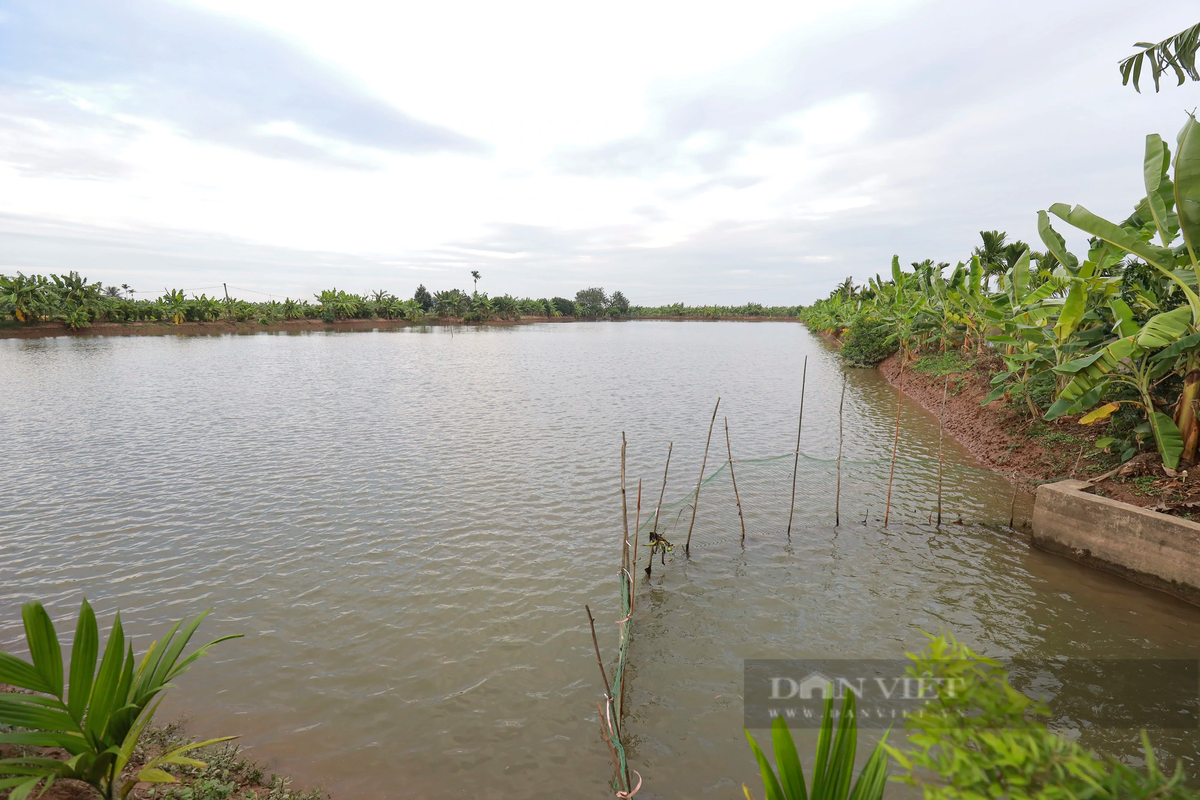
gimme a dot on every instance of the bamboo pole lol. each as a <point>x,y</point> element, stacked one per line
<point>637,527</point>
<point>599,660</point>
<point>733,478</point>
<point>799,427</point>
<point>687,548</point>
<point>607,736</point>
<point>662,493</point>
<point>837,498</point>
<point>887,511</point>
<point>606,719</point>
<point>624,510</point>
<point>941,433</point>
<point>658,511</point>
<point>1012,507</point>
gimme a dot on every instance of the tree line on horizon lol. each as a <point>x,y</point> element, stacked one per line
<point>77,303</point>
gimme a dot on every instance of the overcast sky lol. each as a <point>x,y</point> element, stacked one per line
<point>706,153</point>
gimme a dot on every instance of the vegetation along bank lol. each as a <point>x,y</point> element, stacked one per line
<point>36,305</point>
<point>1085,363</point>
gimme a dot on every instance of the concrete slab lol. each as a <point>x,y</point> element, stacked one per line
<point>1146,547</point>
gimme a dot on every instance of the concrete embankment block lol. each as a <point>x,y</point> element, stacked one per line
<point>1153,549</point>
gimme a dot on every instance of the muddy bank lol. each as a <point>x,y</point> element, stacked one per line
<point>716,319</point>
<point>1006,438</point>
<point>40,330</point>
<point>997,435</point>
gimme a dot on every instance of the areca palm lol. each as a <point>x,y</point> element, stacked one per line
<point>1177,53</point>
<point>97,717</point>
<point>991,253</point>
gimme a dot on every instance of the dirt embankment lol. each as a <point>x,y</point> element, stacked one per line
<point>1007,438</point>
<point>40,330</point>
<point>995,434</point>
<point>719,319</point>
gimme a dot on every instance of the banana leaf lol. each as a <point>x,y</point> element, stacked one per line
<point>1160,190</point>
<point>1158,257</point>
<point>1088,375</point>
<point>1164,329</point>
<point>1072,311</point>
<point>1168,439</point>
<point>1187,187</point>
<point>1177,349</point>
<point>1055,243</point>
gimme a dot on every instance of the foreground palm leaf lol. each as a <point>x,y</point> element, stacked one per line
<point>833,770</point>
<point>96,716</point>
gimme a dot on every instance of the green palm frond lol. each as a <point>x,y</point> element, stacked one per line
<point>1178,54</point>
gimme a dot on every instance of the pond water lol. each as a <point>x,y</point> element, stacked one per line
<point>406,526</point>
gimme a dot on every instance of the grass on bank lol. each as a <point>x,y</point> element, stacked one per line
<point>228,775</point>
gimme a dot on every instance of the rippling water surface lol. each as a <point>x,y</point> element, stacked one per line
<point>406,526</point>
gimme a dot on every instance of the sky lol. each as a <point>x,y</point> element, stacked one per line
<point>680,152</point>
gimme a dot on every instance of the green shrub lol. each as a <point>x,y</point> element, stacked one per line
<point>564,306</point>
<point>423,298</point>
<point>867,342</point>
<point>985,739</point>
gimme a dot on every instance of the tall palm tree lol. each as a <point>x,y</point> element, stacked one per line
<point>991,254</point>
<point>475,277</point>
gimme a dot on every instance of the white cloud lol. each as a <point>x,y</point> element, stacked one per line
<point>664,148</point>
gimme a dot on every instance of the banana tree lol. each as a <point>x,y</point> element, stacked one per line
<point>74,288</point>
<point>25,293</point>
<point>175,303</point>
<point>1170,210</point>
<point>1026,341</point>
<point>1138,361</point>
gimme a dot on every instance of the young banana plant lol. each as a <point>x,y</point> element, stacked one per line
<point>1138,360</point>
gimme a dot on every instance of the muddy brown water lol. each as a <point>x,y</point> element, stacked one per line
<point>406,525</point>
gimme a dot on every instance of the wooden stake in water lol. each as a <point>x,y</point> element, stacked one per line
<point>637,527</point>
<point>733,478</point>
<point>609,725</point>
<point>799,427</point>
<point>837,497</point>
<point>941,431</point>
<point>658,511</point>
<point>624,510</point>
<point>599,660</point>
<point>687,548</point>
<point>1012,507</point>
<point>606,735</point>
<point>895,444</point>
